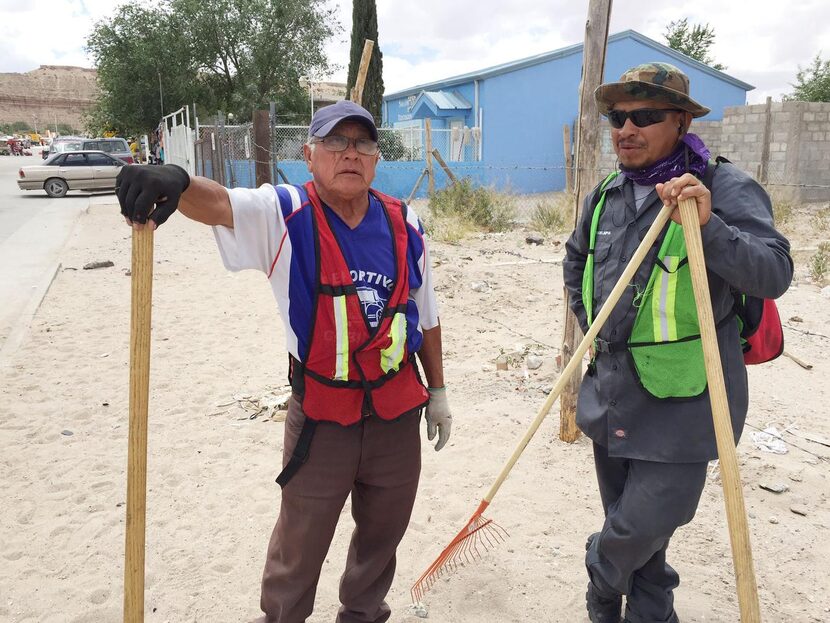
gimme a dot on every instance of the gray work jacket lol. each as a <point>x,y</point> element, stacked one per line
<point>742,249</point>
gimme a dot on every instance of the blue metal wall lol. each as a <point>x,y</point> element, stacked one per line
<point>525,109</point>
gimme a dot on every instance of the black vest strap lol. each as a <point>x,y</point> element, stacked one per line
<point>300,453</point>
<point>604,346</point>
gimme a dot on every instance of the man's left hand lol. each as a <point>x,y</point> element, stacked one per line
<point>438,416</point>
<point>687,186</point>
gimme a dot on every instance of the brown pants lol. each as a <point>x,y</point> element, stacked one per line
<point>379,463</point>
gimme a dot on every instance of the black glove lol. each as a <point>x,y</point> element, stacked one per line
<point>140,186</point>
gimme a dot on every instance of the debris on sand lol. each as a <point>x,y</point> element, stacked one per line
<point>93,265</point>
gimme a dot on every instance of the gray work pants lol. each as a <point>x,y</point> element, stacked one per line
<point>378,463</point>
<point>644,502</point>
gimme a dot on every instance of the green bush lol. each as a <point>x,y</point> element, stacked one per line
<point>483,208</point>
<point>392,146</point>
<point>15,127</point>
<point>820,263</point>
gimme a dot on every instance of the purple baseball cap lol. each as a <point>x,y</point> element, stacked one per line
<point>327,117</point>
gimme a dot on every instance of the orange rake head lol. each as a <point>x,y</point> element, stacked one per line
<point>475,538</point>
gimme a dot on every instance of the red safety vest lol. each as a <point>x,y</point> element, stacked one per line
<point>349,370</point>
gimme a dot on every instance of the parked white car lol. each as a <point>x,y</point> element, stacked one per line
<point>76,170</point>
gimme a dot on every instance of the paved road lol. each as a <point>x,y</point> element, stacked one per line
<point>33,230</point>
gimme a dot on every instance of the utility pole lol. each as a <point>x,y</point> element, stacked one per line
<point>586,175</point>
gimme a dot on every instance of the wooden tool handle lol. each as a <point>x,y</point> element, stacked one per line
<point>730,476</point>
<point>142,295</point>
<point>576,359</point>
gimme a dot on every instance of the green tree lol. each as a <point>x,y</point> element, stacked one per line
<point>142,56</point>
<point>813,82</point>
<point>250,52</point>
<point>365,26</point>
<point>230,55</point>
<point>694,41</point>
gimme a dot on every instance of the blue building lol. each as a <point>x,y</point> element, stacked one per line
<point>503,125</point>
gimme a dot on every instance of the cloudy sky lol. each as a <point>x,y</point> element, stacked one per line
<point>761,42</point>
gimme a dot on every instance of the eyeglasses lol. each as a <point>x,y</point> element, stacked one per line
<point>642,117</point>
<point>335,142</point>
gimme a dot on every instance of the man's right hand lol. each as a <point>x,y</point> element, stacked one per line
<point>152,192</point>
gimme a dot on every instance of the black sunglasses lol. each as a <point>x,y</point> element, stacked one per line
<point>641,118</point>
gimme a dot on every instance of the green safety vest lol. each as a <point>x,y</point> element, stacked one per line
<point>664,344</point>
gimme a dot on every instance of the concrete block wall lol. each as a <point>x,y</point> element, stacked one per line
<point>742,134</point>
<point>811,157</point>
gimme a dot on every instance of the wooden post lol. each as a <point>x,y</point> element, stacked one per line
<point>730,476</point>
<point>763,174</point>
<point>142,294</point>
<point>262,142</point>
<point>430,171</point>
<point>569,163</point>
<point>444,166</point>
<point>363,69</point>
<point>417,184</point>
<point>272,122</point>
<point>587,157</point>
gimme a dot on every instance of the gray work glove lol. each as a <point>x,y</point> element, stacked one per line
<point>438,416</point>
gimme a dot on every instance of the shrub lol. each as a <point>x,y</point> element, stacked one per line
<point>822,220</point>
<point>820,263</point>
<point>782,212</point>
<point>551,216</point>
<point>482,208</point>
<point>451,228</point>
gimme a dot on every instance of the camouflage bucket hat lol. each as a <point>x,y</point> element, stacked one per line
<point>652,81</point>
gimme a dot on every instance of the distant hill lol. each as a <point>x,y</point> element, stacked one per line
<point>47,95</point>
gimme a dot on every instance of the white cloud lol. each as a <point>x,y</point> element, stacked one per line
<point>760,41</point>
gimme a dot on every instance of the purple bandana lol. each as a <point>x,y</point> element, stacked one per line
<point>690,155</point>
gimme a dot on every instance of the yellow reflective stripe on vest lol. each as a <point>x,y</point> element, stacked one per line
<point>341,325</point>
<point>391,357</point>
<point>662,303</point>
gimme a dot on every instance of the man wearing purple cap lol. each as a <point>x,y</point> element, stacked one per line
<point>644,400</point>
<point>350,270</point>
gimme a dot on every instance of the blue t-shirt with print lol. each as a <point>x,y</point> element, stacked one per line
<point>369,253</point>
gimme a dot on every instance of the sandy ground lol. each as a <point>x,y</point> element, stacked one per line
<point>212,499</point>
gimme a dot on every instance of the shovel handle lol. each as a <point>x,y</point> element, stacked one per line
<point>730,476</point>
<point>579,352</point>
<point>142,295</point>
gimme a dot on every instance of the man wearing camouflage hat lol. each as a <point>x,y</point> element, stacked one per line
<point>644,401</point>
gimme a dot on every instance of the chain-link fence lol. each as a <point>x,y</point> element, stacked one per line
<point>227,154</point>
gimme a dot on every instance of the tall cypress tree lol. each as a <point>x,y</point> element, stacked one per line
<point>365,26</point>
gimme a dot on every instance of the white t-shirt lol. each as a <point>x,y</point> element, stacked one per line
<point>268,222</point>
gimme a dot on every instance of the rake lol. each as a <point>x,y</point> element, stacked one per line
<point>480,533</point>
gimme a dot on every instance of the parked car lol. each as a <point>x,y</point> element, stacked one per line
<point>62,144</point>
<point>115,146</point>
<point>5,149</point>
<point>73,170</point>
